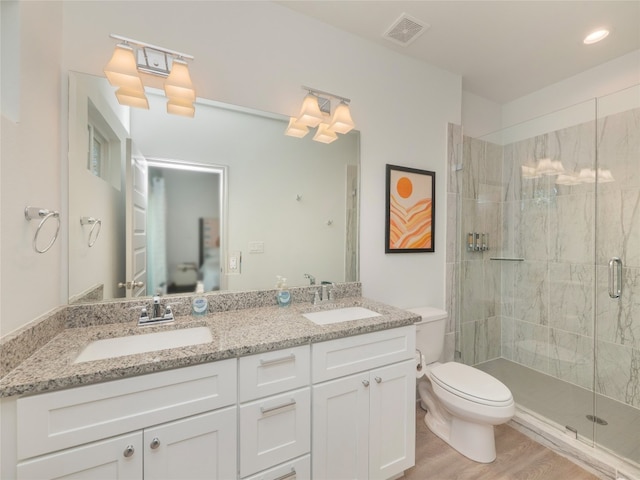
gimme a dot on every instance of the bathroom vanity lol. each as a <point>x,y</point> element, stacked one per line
<point>241,406</point>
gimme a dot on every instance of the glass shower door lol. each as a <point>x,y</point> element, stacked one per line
<point>617,339</point>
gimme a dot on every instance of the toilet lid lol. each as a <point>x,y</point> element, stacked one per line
<point>471,383</point>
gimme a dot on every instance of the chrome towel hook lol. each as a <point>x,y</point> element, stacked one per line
<point>34,213</point>
<point>93,233</point>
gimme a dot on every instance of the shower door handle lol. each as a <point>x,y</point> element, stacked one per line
<point>615,277</point>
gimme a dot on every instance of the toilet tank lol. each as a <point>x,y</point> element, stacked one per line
<point>430,332</point>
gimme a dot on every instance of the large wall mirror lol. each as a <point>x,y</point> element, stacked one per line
<point>158,202</point>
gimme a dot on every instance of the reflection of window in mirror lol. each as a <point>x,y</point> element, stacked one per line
<point>98,150</point>
<point>103,148</point>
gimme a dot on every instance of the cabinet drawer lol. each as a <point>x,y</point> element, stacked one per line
<point>337,358</point>
<point>57,420</point>
<point>274,430</point>
<point>298,469</point>
<point>274,372</point>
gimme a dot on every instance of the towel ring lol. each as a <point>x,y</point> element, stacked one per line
<point>32,213</point>
<point>94,222</point>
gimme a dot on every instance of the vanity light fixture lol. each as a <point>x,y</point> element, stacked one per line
<point>316,112</point>
<point>131,57</point>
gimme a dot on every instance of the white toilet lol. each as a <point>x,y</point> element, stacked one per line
<point>463,403</point>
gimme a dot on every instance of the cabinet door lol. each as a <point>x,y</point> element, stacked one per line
<point>199,447</point>
<point>341,428</point>
<point>392,420</point>
<point>116,458</point>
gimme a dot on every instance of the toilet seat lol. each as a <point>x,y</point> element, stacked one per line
<point>471,384</point>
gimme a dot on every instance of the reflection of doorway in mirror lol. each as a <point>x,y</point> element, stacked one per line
<point>189,197</point>
<point>210,253</point>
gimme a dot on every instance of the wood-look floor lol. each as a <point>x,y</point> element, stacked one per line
<point>518,458</point>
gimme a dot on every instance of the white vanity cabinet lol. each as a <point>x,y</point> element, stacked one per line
<point>170,425</point>
<point>364,405</point>
<point>275,414</point>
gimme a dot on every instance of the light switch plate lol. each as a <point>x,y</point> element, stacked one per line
<point>234,262</point>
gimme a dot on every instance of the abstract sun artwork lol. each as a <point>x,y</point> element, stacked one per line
<point>410,210</point>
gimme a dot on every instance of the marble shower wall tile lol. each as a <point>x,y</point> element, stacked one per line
<point>452,239</point>
<point>452,296</point>
<point>481,340</point>
<point>572,228</point>
<point>619,141</point>
<point>618,372</point>
<point>531,345</point>
<point>472,172</point>
<point>571,358</point>
<point>619,226</point>
<point>574,147</point>
<point>472,291</point>
<point>454,151</point>
<point>571,297</point>
<point>531,296</point>
<point>531,224</point>
<point>618,320</point>
<point>507,327</point>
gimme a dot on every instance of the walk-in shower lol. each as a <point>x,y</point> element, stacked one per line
<point>552,307</point>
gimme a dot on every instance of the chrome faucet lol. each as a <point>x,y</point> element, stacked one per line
<point>160,314</point>
<point>324,293</point>
<point>312,279</point>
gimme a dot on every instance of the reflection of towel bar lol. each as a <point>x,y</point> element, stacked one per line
<point>32,213</point>
<point>184,267</point>
<point>94,222</point>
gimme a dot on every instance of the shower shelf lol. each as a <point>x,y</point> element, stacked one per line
<point>508,259</point>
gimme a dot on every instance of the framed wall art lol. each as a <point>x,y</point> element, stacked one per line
<point>410,210</point>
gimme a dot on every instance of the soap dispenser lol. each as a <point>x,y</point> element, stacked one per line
<point>200,303</point>
<point>283,296</point>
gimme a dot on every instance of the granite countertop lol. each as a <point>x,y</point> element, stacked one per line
<point>235,333</point>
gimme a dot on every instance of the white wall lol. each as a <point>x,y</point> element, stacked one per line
<point>32,283</point>
<point>604,79</point>
<point>253,54</point>
<point>557,106</point>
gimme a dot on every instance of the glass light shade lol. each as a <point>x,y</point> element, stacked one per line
<point>310,114</point>
<point>121,71</point>
<point>546,166</point>
<point>341,121</point>
<point>530,172</point>
<point>587,175</point>
<point>295,129</point>
<point>567,179</point>
<point>605,176</point>
<point>177,106</point>
<point>324,134</point>
<point>132,98</point>
<point>178,83</point>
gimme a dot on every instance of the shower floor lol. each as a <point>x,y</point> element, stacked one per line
<point>567,404</point>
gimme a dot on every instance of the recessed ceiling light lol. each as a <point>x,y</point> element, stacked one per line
<point>596,36</point>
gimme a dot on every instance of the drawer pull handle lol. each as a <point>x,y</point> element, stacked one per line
<point>291,474</point>
<point>155,443</point>
<point>291,356</point>
<point>278,407</point>
<point>378,379</point>
<point>365,383</point>
<point>128,451</point>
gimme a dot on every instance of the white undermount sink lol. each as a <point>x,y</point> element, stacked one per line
<point>147,342</point>
<point>337,315</point>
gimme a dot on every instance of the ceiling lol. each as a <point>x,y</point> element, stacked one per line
<point>502,49</point>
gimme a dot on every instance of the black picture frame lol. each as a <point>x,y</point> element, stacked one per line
<point>410,217</point>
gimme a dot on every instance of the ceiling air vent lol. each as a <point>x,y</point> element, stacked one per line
<point>405,30</point>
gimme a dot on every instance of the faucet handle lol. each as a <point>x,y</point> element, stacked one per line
<point>316,297</point>
<point>330,290</point>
